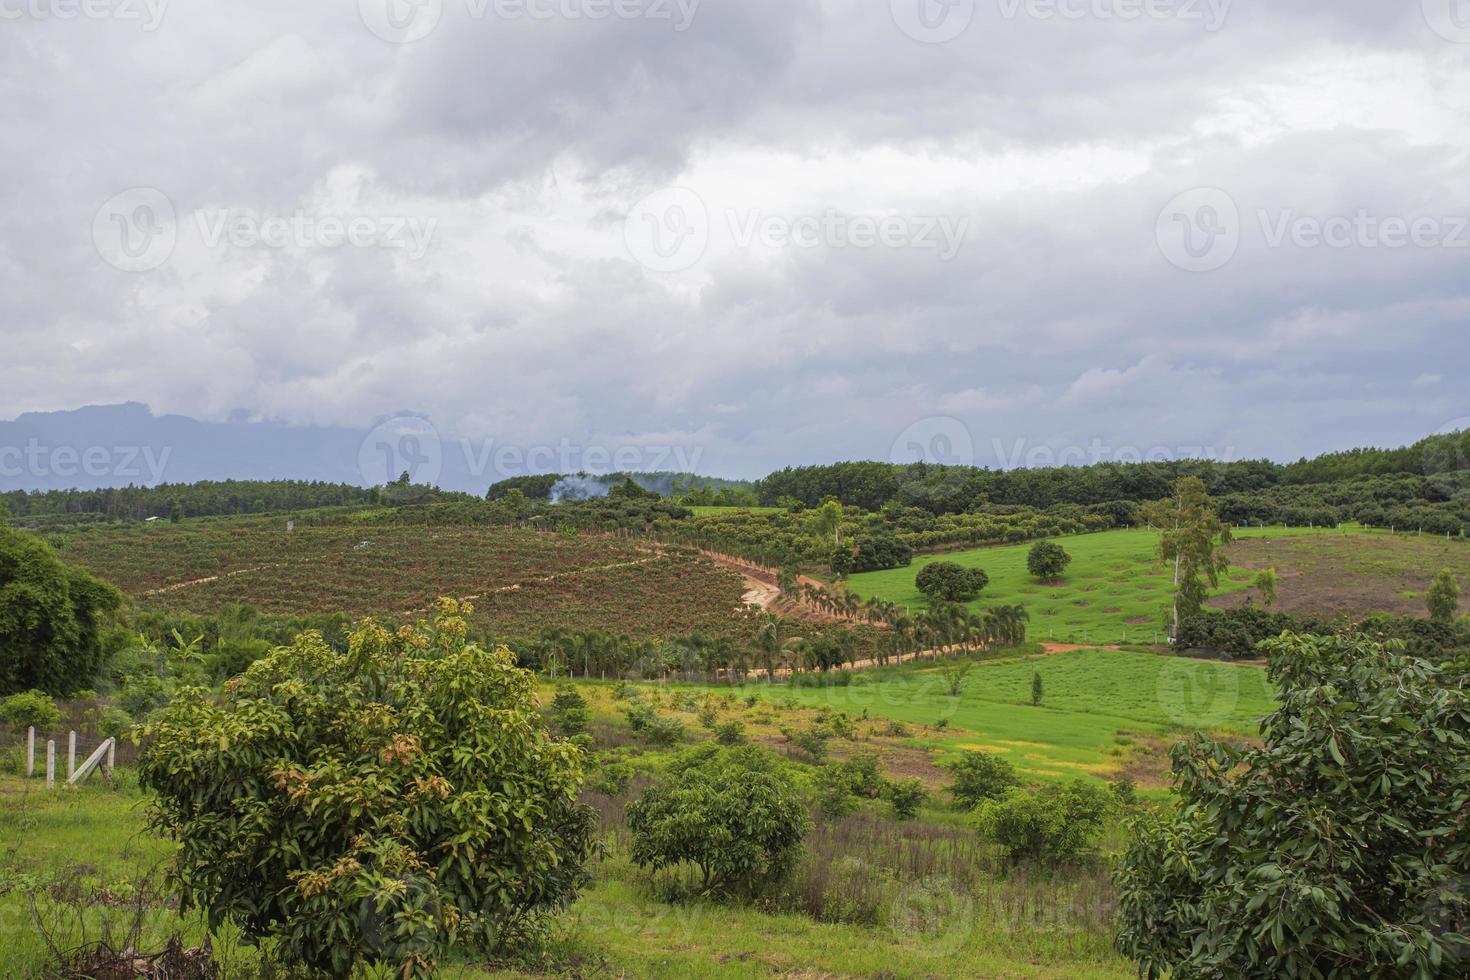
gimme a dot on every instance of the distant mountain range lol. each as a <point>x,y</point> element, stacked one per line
<point>119,445</point>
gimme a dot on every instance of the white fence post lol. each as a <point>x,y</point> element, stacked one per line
<point>93,761</point>
<point>31,752</point>
<point>111,755</point>
<point>71,754</point>
<point>50,763</point>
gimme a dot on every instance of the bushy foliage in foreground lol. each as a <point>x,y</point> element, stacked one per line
<point>732,814</point>
<point>1240,632</point>
<point>1338,848</point>
<point>374,805</point>
<point>980,776</point>
<point>1055,823</point>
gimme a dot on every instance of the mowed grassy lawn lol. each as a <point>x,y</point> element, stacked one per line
<point>1101,709</point>
<point>1115,591</point>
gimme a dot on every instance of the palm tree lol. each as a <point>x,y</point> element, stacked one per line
<point>786,581</point>
<point>796,650</point>
<point>903,628</point>
<point>768,643</point>
<point>847,643</point>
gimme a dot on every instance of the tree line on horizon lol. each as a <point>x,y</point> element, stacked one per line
<point>1423,486</point>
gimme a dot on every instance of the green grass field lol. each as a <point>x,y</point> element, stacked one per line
<point>1100,713</point>
<point>1116,590</point>
<point>83,855</point>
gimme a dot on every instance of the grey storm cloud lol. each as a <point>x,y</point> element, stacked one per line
<point>722,224</point>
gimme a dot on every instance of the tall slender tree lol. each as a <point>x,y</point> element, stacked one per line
<point>1190,536</point>
<point>829,519</point>
<point>1443,598</point>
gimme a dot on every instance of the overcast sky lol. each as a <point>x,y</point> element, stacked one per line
<point>766,231</point>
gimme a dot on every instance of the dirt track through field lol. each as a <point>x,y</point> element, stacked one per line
<point>180,586</point>
<point>557,577</point>
<point>762,591</point>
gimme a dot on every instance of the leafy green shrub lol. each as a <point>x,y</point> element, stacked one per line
<point>905,796</point>
<point>841,726</point>
<point>1240,632</point>
<point>1339,847</point>
<point>1443,598</point>
<point>375,805</point>
<point>813,741</point>
<point>234,656</point>
<point>864,775</point>
<point>708,716</point>
<point>1047,561</point>
<point>639,718</point>
<point>881,551</point>
<point>732,815</point>
<point>1125,791</point>
<point>842,785</point>
<point>144,693</point>
<point>664,732</point>
<point>114,722</point>
<point>569,710</point>
<point>1056,823</point>
<point>948,582</point>
<point>609,778</point>
<point>834,798</point>
<point>731,732</point>
<point>33,708</point>
<point>980,776</point>
<point>956,678</point>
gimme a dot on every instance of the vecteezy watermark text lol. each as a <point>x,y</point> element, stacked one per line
<point>939,440</point>
<point>302,229</point>
<point>1363,230</point>
<point>671,230</point>
<point>412,444</point>
<point>410,21</point>
<point>943,234</point>
<point>1019,456</point>
<point>1450,19</point>
<point>40,461</point>
<point>942,440</point>
<point>1202,230</point>
<point>139,229</point>
<point>941,21</point>
<point>1210,13</point>
<point>147,14</point>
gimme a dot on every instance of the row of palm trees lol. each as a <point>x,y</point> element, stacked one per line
<point>774,646</point>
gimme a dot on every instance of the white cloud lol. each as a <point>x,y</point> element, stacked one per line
<point>1054,144</point>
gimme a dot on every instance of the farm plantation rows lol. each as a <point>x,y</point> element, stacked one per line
<point>507,737</point>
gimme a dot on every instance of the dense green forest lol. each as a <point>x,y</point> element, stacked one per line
<point>1435,462</point>
<point>1420,486</point>
<point>224,498</point>
<point>1424,486</point>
